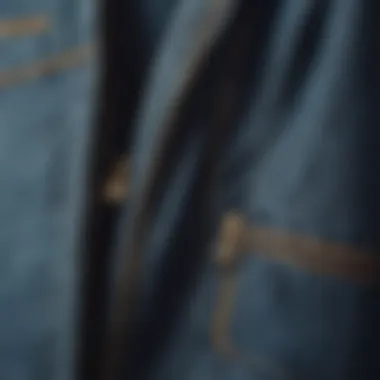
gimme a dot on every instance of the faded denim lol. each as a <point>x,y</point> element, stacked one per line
<point>47,87</point>
<point>303,158</point>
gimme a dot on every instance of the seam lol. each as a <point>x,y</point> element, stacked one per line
<point>232,236</point>
<point>315,255</point>
<point>24,26</point>
<point>49,66</point>
<point>307,252</point>
<point>222,316</point>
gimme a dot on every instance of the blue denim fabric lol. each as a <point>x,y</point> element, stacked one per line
<point>47,88</point>
<point>302,158</point>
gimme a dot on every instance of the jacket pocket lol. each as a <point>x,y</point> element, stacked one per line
<point>24,38</point>
<point>44,38</point>
<point>278,292</point>
<point>233,258</point>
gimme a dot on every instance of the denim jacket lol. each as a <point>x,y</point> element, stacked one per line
<point>251,246</point>
<point>47,87</point>
<point>248,245</point>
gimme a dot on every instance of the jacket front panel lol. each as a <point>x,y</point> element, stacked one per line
<point>47,88</point>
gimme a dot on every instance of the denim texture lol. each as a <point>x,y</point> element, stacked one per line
<point>47,88</point>
<point>302,158</point>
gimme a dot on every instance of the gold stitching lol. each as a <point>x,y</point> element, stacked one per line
<point>223,315</point>
<point>232,235</point>
<point>24,26</point>
<point>65,60</point>
<point>232,243</point>
<point>315,255</point>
